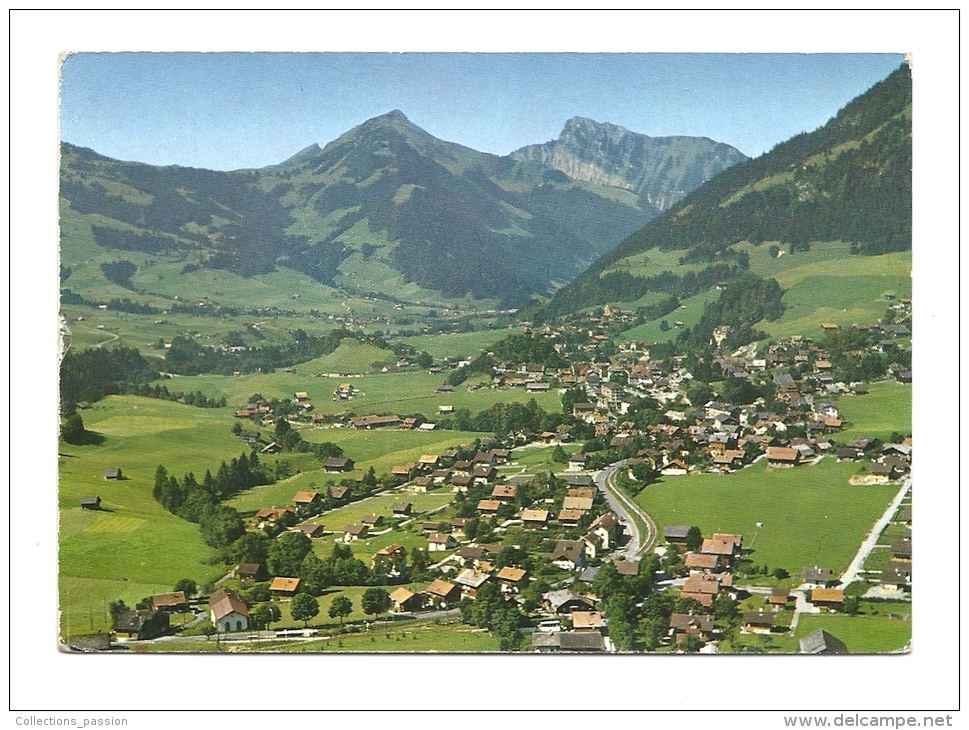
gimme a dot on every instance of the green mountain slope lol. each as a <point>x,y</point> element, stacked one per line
<point>386,208</point>
<point>848,181</point>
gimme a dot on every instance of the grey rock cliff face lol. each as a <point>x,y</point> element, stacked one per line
<point>660,170</point>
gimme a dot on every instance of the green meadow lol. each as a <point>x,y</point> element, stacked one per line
<point>868,634</point>
<point>435,636</point>
<point>852,292</point>
<point>689,314</point>
<point>133,547</point>
<point>382,449</point>
<point>824,284</point>
<point>458,345</point>
<point>405,392</point>
<point>885,409</point>
<point>810,515</point>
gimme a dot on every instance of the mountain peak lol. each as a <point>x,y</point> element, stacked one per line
<point>659,170</point>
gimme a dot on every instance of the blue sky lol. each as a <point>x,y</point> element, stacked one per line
<point>235,110</point>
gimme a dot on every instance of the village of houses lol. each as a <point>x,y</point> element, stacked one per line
<point>572,525</point>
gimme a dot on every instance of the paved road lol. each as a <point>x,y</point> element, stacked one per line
<point>851,574</point>
<point>623,506</point>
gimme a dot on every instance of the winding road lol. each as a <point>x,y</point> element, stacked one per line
<point>629,512</point>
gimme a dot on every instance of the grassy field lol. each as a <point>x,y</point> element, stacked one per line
<point>825,284</point>
<point>689,314</point>
<point>885,409</point>
<point>381,449</point>
<point>862,634</point>
<point>810,515</point>
<point>133,547</point>
<point>442,636</point>
<point>853,292</point>
<point>458,345</point>
<point>405,392</point>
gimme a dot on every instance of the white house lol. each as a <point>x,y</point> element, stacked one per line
<point>228,612</point>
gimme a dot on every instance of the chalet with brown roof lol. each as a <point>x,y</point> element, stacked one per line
<point>587,621</point>
<point>608,528</point>
<point>307,500</point>
<point>757,622</point>
<point>283,587</point>
<point>569,554</point>
<point>311,529</point>
<point>782,456</point>
<point>338,464</point>
<point>354,532</point>
<point>368,423</point>
<point>458,524</point>
<point>511,577</point>
<point>140,625</point>
<point>442,593</point>
<point>250,572</point>
<point>401,509</point>
<point>675,468</point>
<point>438,542</point>
<point>271,448</point>
<point>701,588</point>
<point>372,520</point>
<point>488,506</point>
<point>472,555</point>
<point>831,599</point>
<point>676,534</point>
<point>534,517</point>
<point>896,576</point>
<point>460,482</point>
<point>701,562</point>
<point>901,549</point>
<point>577,461</point>
<point>404,599</point>
<point>390,560</point>
<point>484,474</point>
<point>725,547</point>
<point>689,624</point>
<point>627,567</point>
<point>504,492</point>
<point>272,514</point>
<point>778,598</point>
<point>583,504</point>
<point>816,576</point>
<point>171,602</point>
<point>338,492</point>
<point>582,492</point>
<point>570,517</point>
<point>402,471</point>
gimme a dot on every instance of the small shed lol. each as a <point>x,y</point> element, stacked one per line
<point>113,474</point>
<point>90,503</point>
